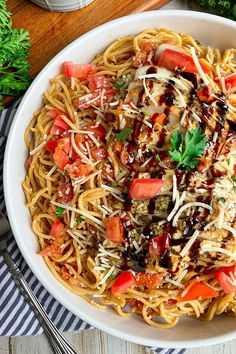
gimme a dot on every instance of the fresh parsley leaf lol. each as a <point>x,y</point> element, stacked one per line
<point>112,276</point>
<point>222,7</point>
<point>234,189</point>
<point>187,149</point>
<point>78,220</point>
<point>118,85</point>
<point>234,178</point>
<point>123,135</point>
<point>60,211</point>
<point>14,49</point>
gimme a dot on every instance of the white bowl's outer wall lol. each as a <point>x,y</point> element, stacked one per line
<point>62,5</point>
<point>210,30</point>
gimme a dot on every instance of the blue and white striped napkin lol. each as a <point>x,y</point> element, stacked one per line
<point>16,317</point>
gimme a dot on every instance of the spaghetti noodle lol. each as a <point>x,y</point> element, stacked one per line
<point>131,178</point>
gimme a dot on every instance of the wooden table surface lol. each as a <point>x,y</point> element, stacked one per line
<point>50,32</point>
<point>90,341</point>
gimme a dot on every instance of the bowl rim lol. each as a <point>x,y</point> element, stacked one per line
<point>10,210</point>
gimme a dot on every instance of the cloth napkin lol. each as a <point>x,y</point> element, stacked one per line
<point>16,317</point>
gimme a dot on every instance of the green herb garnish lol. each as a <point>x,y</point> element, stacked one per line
<point>78,220</point>
<point>234,178</point>
<point>112,276</point>
<point>234,189</point>
<point>222,7</point>
<point>187,150</point>
<point>123,135</point>
<point>14,49</point>
<point>60,211</point>
<point>118,85</point>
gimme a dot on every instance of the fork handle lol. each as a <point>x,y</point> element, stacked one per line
<point>58,342</point>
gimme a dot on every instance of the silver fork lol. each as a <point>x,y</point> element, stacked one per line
<point>58,342</point>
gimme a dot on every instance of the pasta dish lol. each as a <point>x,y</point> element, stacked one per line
<point>131,178</point>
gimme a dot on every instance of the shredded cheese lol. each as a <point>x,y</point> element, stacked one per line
<point>38,148</point>
<point>189,243</point>
<point>79,211</point>
<point>50,172</point>
<point>107,275</point>
<point>198,66</point>
<point>174,179</point>
<point>189,205</point>
<point>78,151</point>
<point>148,93</point>
<point>174,282</point>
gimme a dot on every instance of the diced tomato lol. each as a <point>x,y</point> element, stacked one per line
<point>158,118</point>
<point>123,282</point>
<point>145,188</point>
<point>204,94</point>
<point>65,273</point>
<point>64,144</point>
<point>226,276</point>
<point>78,169</point>
<point>99,153</point>
<point>65,192</point>
<point>28,162</point>
<point>99,131</point>
<point>53,113</point>
<point>56,229</point>
<point>139,59</point>
<point>98,82</point>
<point>196,290</point>
<point>171,59</point>
<point>230,81</point>
<point>85,101</point>
<point>78,70</point>
<point>159,244</point>
<point>150,280</point>
<point>114,229</point>
<point>170,302</point>
<point>147,47</point>
<point>202,164</point>
<point>61,159</point>
<point>51,145</point>
<point>50,250</point>
<point>59,125</point>
<point>109,92</point>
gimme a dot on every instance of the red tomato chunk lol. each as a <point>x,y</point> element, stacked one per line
<point>145,188</point>
<point>114,229</point>
<point>123,282</point>
<point>226,276</point>
<point>78,70</point>
<point>197,290</point>
<point>171,59</point>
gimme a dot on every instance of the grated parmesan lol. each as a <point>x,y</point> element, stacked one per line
<point>189,205</point>
<point>38,148</point>
<point>189,243</point>
<point>198,66</point>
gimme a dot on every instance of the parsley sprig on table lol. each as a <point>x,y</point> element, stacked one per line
<point>225,8</point>
<point>187,149</point>
<point>14,49</point>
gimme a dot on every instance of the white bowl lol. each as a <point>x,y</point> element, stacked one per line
<point>62,5</point>
<point>210,30</point>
